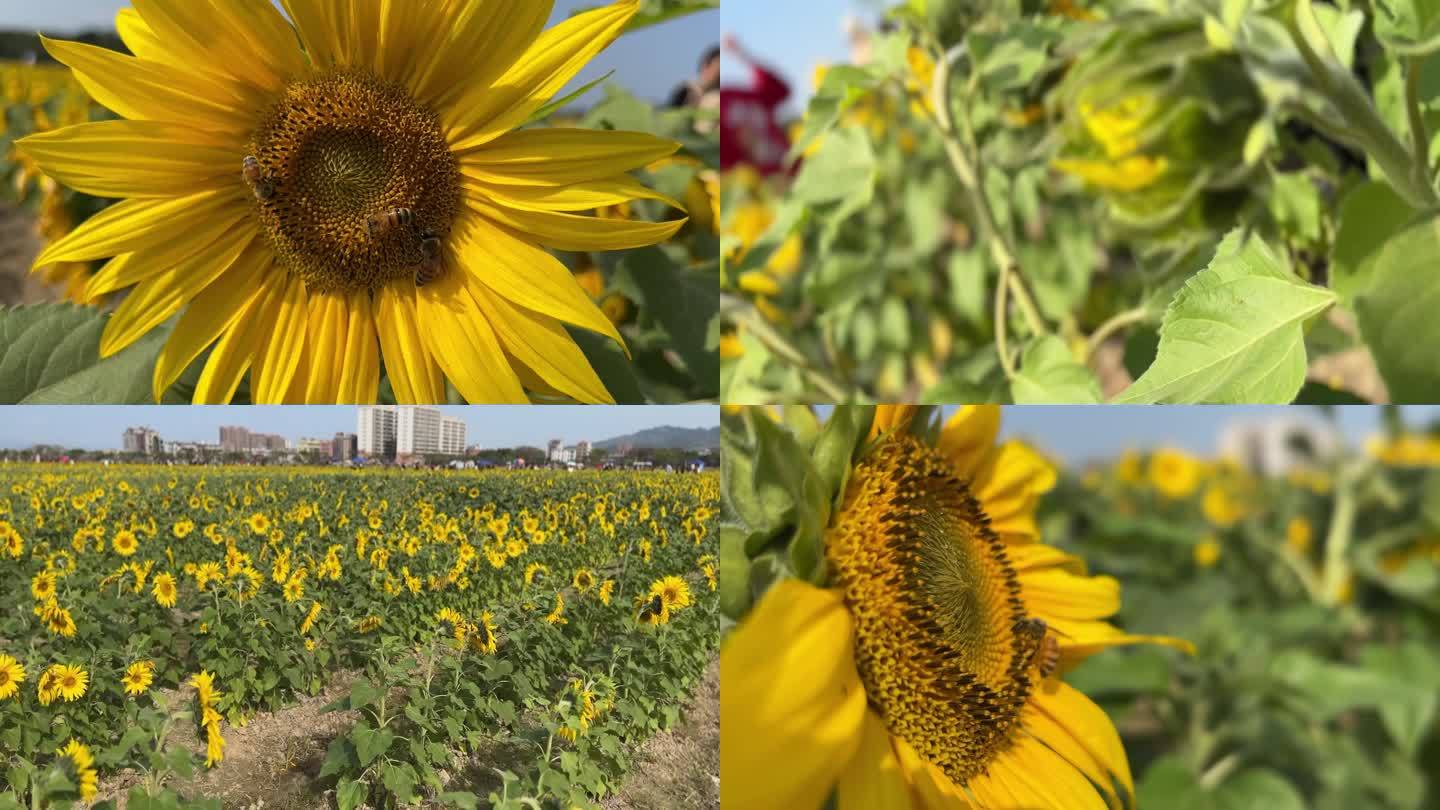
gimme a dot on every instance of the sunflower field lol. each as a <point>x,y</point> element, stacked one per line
<point>558,240</point>
<point>495,636</point>
<point>1070,201</point>
<point>1222,638</point>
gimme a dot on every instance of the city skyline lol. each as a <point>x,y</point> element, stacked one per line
<point>94,427</point>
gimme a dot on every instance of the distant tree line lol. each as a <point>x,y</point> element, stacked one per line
<point>24,45</point>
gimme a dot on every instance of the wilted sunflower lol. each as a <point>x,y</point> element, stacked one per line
<point>80,768</point>
<point>302,270</point>
<point>138,677</point>
<point>12,674</point>
<point>921,677</point>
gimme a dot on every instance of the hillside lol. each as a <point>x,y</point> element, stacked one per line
<point>667,437</point>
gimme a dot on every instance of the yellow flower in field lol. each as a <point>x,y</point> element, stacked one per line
<point>57,619</point>
<point>451,623</point>
<point>1174,473</point>
<point>607,588</point>
<point>673,590</point>
<point>125,543</point>
<point>138,677</point>
<point>310,645</point>
<point>301,272</point>
<point>214,745</point>
<point>369,624</point>
<point>583,580</point>
<point>482,634</point>
<point>183,528</point>
<point>1299,535</point>
<point>295,586</point>
<point>310,618</point>
<point>1222,505</point>
<point>165,590</point>
<point>12,674</point>
<point>1206,552</point>
<point>653,610</point>
<point>42,585</point>
<point>1130,469</point>
<point>886,693</point>
<point>80,768</point>
<point>11,540</point>
<point>205,690</point>
<point>710,576</point>
<point>64,681</point>
<point>259,524</point>
<point>534,570</point>
<point>557,616</point>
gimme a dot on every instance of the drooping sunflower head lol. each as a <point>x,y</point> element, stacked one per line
<point>912,644</point>
<point>79,766</point>
<point>305,189</point>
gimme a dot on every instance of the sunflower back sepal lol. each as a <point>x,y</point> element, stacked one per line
<point>760,513</point>
<point>840,438</point>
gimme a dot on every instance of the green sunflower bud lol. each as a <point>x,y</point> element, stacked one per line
<point>1156,121</point>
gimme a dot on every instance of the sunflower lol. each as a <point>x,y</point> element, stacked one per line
<point>65,681</point>
<point>673,591</point>
<point>534,570</point>
<point>58,619</point>
<point>205,691</point>
<point>125,542</point>
<point>164,590</point>
<point>482,634</point>
<point>607,588</point>
<point>369,624</point>
<point>42,585</point>
<point>1206,552</point>
<point>557,615</point>
<point>451,623</point>
<point>11,541</point>
<point>12,674</point>
<point>1299,536</point>
<point>80,767</point>
<point>1174,473</point>
<point>376,138</point>
<point>916,678</point>
<point>259,524</point>
<point>138,677</point>
<point>583,580</point>
<point>310,618</point>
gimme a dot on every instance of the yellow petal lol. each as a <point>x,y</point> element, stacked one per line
<point>155,299</point>
<point>278,358</point>
<point>323,26</point>
<point>579,233</point>
<point>1073,715</point>
<point>562,157</point>
<point>934,789</point>
<point>968,438</point>
<point>1037,556</point>
<point>1079,639</point>
<point>140,89</point>
<point>527,275</point>
<point>413,373</point>
<point>1031,776</point>
<point>245,339</point>
<point>487,111</point>
<point>132,268</point>
<point>891,419</point>
<point>874,780</point>
<point>543,346</point>
<point>131,159</point>
<point>326,325</point>
<point>1009,487</point>
<point>360,374</point>
<point>457,335</point>
<point>211,313</point>
<point>484,41</point>
<point>792,706</point>
<point>1056,593</point>
<point>582,196</point>
<point>133,225</point>
<point>216,40</point>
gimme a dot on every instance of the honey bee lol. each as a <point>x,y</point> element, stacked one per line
<point>382,224</point>
<point>1043,647</point>
<point>263,187</point>
<point>433,265</point>
<point>652,609</point>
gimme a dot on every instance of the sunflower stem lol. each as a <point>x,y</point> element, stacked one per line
<point>742,313</point>
<point>1216,773</point>
<point>1337,540</point>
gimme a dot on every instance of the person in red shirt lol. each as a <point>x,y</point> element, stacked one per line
<point>750,133</point>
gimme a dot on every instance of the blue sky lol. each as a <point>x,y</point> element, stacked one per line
<point>791,35</point>
<point>649,62</point>
<point>101,426</point>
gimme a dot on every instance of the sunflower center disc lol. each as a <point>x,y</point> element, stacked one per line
<point>935,603</point>
<point>341,148</point>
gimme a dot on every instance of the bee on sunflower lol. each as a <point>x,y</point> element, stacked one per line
<point>910,648</point>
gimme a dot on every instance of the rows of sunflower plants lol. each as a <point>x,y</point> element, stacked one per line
<point>625,191</point>
<point>1147,201</point>
<point>1312,598</point>
<point>1306,600</point>
<point>537,626</point>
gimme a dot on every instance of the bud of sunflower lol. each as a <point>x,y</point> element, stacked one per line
<point>1156,121</point>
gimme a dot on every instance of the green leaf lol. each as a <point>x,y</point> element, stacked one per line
<point>40,345</point>
<point>1050,375</point>
<point>1258,789</point>
<point>1234,333</point>
<point>467,801</point>
<point>370,743</point>
<point>1168,783</point>
<point>1409,26</point>
<point>843,170</point>
<point>1397,313</point>
<point>685,302</point>
<point>351,794</point>
<point>841,88</point>
<point>1371,213</point>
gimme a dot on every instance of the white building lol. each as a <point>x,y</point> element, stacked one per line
<point>391,431</point>
<point>375,431</point>
<point>1275,446</point>
<point>308,445</point>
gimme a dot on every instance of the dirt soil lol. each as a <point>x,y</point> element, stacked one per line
<point>19,245</point>
<point>680,768</point>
